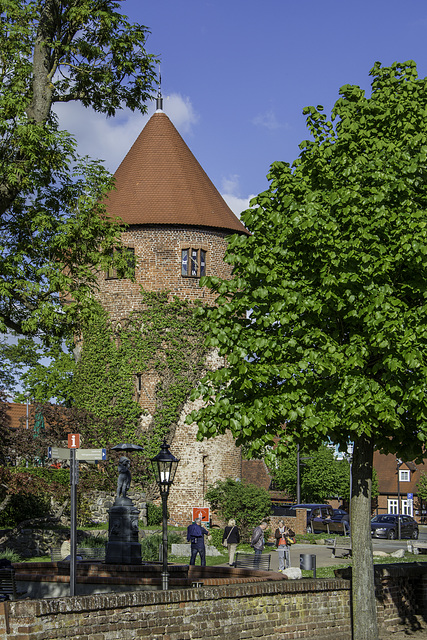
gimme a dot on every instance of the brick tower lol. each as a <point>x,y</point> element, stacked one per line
<point>178,225</point>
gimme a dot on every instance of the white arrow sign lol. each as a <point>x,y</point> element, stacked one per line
<point>91,454</point>
<point>88,455</point>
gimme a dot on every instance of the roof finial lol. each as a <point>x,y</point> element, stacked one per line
<point>159,99</point>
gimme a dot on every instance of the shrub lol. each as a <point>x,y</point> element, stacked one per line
<point>24,507</point>
<point>10,554</point>
<point>216,538</point>
<point>245,502</point>
<point>154,514</point>
<point>150,545</point>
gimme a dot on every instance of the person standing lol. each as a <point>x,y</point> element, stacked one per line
<point>257,540</point>
<point>196,535</point>
<point>232,536</point>
<point>283,534</point>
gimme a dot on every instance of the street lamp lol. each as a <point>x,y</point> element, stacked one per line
<point>164,465</point>
<point>398,464</point>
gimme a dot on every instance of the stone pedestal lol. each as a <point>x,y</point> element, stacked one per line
<point>123,546</point>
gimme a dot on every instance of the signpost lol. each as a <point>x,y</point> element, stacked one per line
<point>410,498</point>
<point>74,454</point>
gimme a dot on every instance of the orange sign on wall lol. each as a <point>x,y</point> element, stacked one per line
<point>202,513</point>
<point>74,440</point>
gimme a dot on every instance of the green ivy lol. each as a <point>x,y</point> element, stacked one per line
<point>164,337</point>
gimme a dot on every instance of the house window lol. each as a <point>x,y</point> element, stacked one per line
<point>392,506</point>
<point>193,262</point>
<point>407,507</point>
<point>129,252</point>
<point>404,475</point>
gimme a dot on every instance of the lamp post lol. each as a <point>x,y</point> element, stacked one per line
<point>398,464</point>
<point>164,466</point>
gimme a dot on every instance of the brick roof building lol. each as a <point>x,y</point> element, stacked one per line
<point>178,226</point>
<point>397,482</point>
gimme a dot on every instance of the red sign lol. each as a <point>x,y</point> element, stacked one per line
<point>202,513</point>
<point>73,440</point>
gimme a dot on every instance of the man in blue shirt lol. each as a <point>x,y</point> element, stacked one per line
<point>195,535</point>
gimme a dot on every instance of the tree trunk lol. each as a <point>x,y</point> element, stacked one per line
<point>363,589</point>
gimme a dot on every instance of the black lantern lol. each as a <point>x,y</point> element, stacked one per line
<point>164,466</point>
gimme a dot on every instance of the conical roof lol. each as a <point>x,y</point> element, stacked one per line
<point>160,182</point>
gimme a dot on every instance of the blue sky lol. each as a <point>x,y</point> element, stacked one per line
<point>236,75</point>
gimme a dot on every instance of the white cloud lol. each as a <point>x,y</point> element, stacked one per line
<point>109,139</point>
<point>230,193</point>
<point>269,121</point>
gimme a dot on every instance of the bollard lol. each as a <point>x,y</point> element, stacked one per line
<point>307,561</point>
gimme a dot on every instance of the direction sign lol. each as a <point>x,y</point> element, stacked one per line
<point>58,452</point>
<point>91,454</point>
<point>88,455</point>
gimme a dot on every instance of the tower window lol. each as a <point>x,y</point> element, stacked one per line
<point>129,253</point>
<point>193,262</point>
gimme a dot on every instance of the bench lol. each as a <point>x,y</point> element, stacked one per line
<point>343,545</point>
<point>417,545</point>
<point>252,561</point>
<point>328,526</point>
<point>85,553</point>
<point>8,584</point>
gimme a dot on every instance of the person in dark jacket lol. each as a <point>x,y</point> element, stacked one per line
<point>195,535</point>
<point>232,536</point>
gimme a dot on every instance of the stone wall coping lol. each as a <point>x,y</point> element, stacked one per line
<point>78,604</point>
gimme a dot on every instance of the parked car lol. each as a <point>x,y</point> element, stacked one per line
<point>386,525</point>
<point>338,515</point>
<point>280,509</point>
<point>316,513</point>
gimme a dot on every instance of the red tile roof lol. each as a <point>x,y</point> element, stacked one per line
<point>17,414</point>
<point>160,182</point>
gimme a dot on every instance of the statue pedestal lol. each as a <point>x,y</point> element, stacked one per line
<point>123,546</point>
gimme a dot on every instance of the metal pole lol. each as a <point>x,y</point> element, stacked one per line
<point>298,478</point>
<point>73,532</point>
<point>165,574</point>
<point>398,500</point>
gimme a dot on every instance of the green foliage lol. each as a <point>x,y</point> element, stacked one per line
<point>150,545</point>
<point>93,542</point>
<point>216,535</point>
<point>49,475</point>
<point>322,476</point>
<point>246,503</point>
<point>55,234</point>
<point>10,554</point>
<point>154,514</point>
<point>163,337</point>
<point>24,507</point>
<point>422,487</point>
<point>334,273</point>
<point>103,382</point>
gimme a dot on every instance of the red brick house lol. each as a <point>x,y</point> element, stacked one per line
<point>397,482</point>
<point>178,225</point>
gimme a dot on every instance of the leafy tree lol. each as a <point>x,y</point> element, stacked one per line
<point>322,476</point>
<point>422,491</point>
<point>334,276</point>
<point>245,502</point>
<point>55,235</point>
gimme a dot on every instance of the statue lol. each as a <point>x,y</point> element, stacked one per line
<point>123,482</point>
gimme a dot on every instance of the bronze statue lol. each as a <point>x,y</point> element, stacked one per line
<point>124,480</point>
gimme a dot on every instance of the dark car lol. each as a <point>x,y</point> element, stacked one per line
<point>386,525</point>
<point>316,514</point>
<point>338,515</point>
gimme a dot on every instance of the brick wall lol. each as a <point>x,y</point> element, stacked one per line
<point>158,253</point>
<point>287,609</point>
